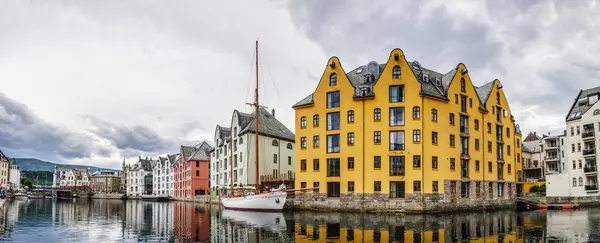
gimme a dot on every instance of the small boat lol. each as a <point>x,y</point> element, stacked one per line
<point>272,201</point>
<point>20,195</point>
<point>35,196</point>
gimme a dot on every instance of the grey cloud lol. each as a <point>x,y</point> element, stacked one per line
<point>22,130</point>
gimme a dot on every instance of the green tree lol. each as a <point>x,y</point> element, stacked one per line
<point>534,189</point>
<point>26,182</point>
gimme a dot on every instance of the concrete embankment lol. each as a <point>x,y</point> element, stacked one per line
<point>108,196</point>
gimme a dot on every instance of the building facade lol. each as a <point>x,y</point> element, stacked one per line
<point>191,171</point>
<point>162,177</point>
<point>579,178</point>
<point>106,181</point>
<point>137,184</point>
<point>533,169</point>
<point>4,169</point>
<point>398,131</point>
<point>234,158</point>
<point>67,178</point>
<point>14,174</point>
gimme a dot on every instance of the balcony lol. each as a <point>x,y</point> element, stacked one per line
<point>588,134</point>
<point>590,169</point>
<point>591,187</point>
<point>551,158</point>
<point>551,171</point>
<point>464,172</point>
<point>589,152</point>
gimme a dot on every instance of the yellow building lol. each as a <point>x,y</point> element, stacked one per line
<point>404,132</point>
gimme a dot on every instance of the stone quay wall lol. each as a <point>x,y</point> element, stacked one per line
<point>591,201</point>
<point>447,201</point>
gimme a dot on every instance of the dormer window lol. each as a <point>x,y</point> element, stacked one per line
<point>425,78</point>
<point>333,79</point>
<point>396,72</point>
<point>438,81</point>
<point>373,67</point>
<point>592,99</point>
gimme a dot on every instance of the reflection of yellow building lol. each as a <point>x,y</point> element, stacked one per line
<point>399,130</point>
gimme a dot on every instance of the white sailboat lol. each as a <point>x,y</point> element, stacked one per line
<point>272,201</point>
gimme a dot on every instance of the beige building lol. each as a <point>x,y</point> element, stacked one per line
<point>4,164</point>
<point>106,181</point>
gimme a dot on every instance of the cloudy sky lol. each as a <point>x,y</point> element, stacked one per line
<point>98,81</point>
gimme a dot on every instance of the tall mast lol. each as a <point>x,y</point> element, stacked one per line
<point>231,159</point>
<point>256,115</point>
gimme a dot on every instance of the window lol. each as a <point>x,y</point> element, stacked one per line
<point>498,98</point>
<point>453,187</point>
<point>417,136</point>
<point>464,124</point>
<point>350,138</point>
<point>377,137</point>
<point>316,141</point>
<point>350,163</point>
<point>462,85</point>
<point>490,166</point>
<point>489,127</point>
<point>289,145</point>
<point>434,186</point>
<point>396,72</point>
<point>333,79</point>
<point>452,163</point>
<point>397,93</point>
<point>572,131</point>
<point>416,112</point>
<point>333,99</point>
<point>477,165</point>
<point>197,163</point>
<point>434,162</point>
<point>477,144</point>
<point>470,103</point>
<point>351,186</point>
<point>397,116</point>
<point>452,142</point>
<point>275,158</point>
<point>350,116</point>
<point>509,168</point>
<point>289,160</point>
<point>508,132</point>
<point>333,121</point>
<point>434,138</point>
<point>303,122</point>
<point>303,142</point>
<point>377,162</point>
<point>316,186</point>
<point>574,182</point>
<point>464,189</point>
<point>508,149</point>
<point>197,173</point>
<point>333,167</point>
<point>416,161</point>
<point>463,104</point>
<point>451,118</point>
<point>333,143</point>
<point>396,140</point>
<point>500,189</point>
<point>489,146</point>
<point>416,186</point>
<point>377,114</point>
<point>302,184</point>
<point>574,164</point>
<point>578,147</point>
<point>573,148</point>
<point>476,125</point>
<point>396,165</point>
<point>433,114</point>
<point>377,186</point>
<point>500,151</point>
<point>455,98</point>
<point>303,165</point>
<point>578,131</point>
<point>316,120</point>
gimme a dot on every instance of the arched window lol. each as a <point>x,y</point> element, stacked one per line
<point>377,114</point>
<point>580,181</point>
<point>350,116</point>
<point>416,112</point>
<point>241,140</point>
<point>303,122</point>
<point>333,79</point>
<point>574,182</point>
<point>433,114</point>
<point>290,146</point>
<point>316,120</point>
<point>498,98</point>
<point>275,143</point>
<point>597,112</point>
<point>396,72</point>
<point>235,131</point>
<point>462,85</point>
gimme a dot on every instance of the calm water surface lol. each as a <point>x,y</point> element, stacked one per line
<point>139,221</point>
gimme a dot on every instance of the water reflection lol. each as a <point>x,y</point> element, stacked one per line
<point>134,221</point>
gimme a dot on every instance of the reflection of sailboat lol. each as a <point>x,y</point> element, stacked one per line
<point>272,201</point>
<point>274,221</point>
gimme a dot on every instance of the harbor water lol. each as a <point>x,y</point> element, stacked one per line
<point>98,220</point>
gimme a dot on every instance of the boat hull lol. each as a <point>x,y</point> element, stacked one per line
<point>268,202</point>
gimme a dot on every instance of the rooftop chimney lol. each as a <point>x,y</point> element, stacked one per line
<point>273,112</point>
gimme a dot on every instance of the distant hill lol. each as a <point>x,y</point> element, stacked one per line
<point>27,164</point>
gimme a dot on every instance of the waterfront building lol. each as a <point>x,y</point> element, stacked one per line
<point>579,176</point>
<point>191,171</point>
<point>66,177</point>
<point>4,166</point>
<point>399,131</point>
<point>106,181</point>
<point>14,174</point>
<point>533,169</point>
<point>234,156</point>
<point>137,183</point>
<point>161,174</point>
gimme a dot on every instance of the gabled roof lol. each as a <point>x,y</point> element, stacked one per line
<point>202,152</point>
<point>532,136</point>
<point>581,104</point>
<point>187,152</point>
<point>3,157</point>
<point>268,125</point>
<point>532,146</point>
<point>484,92</point>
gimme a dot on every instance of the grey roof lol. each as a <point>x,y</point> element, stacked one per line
<point>532,146</point>
<point>202,152</point>
<point>163,161</point>
<point>223,134</point>
<point>3,157</point>
<point>172,158</point>
<point>484,91</point>
<point>306,101</point>
<point>268,125</point>
<point>244,119</point>
<point>187,151</point>
<point>579,108</point>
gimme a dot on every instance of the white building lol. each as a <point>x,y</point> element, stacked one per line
<point>235,147</point>
<point>64,177</point>
<point>136,175</point>
<point>14,174</point>
<point>579,177</point>
<point>162,176</point>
